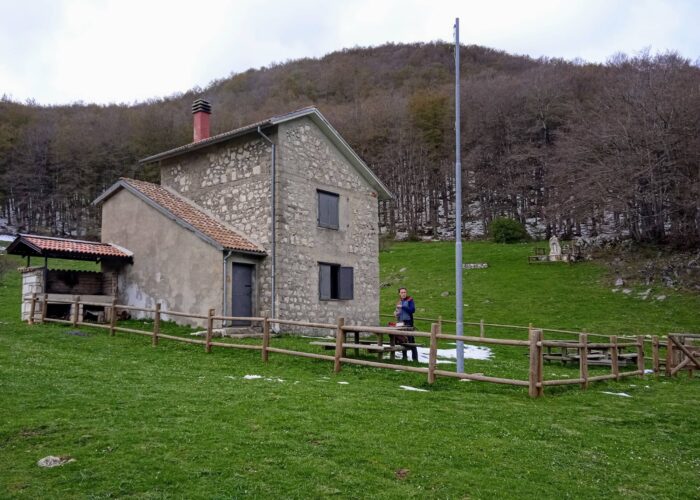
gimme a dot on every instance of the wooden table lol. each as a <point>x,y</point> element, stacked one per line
<point>596,356</point>
<point>379,346</point>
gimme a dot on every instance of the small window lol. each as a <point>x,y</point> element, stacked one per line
<point>335,282</point>
<point>327,209</point>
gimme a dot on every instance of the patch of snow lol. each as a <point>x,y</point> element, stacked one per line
<point>409,388</point>
<point>268,379</point>
<point>648,371</point>
<point>622,394</point>
<point>447,356</point>
<point>342,382</point>
<point>7,237</point>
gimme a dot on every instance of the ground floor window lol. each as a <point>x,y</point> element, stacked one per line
<point>335,282</point>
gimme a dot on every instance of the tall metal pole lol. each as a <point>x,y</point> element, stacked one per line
<point>458,213</point>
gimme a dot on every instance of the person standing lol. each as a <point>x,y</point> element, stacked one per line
<point>405,307</point>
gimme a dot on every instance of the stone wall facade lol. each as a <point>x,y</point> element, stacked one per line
<point>309,162</point>
<point>232,181</point>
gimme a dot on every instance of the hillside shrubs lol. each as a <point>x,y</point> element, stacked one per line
<point>505,230</point>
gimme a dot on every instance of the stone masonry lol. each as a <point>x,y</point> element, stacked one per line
<point>232,182</point>
<point>32,282</point>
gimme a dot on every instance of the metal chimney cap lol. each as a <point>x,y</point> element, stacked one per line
<point>201,105</point>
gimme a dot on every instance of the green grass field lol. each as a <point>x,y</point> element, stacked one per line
<point>174,422</point>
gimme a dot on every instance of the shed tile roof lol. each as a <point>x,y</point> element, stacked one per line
<point>194,216</point>
<point>46,245</point>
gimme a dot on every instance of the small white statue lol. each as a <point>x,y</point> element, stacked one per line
<point>554,248</point>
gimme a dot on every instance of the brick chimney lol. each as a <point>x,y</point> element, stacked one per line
<point>201,110</point>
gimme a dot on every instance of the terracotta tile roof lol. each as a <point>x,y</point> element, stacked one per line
<point>47,244</point>
<point>193,216</point>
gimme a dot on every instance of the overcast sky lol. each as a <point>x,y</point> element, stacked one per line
<point>103,51</point>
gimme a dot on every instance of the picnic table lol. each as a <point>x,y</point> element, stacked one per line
<point>596,356</point>
<point>378,346</point>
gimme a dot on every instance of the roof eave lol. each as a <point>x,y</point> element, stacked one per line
<point>165,212</point>
<point>195,146</point>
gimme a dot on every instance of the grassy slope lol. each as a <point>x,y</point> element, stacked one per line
<point>174,422</point>
<point>511,291</point>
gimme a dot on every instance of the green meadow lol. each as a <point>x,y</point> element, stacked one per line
<point>175,422</point>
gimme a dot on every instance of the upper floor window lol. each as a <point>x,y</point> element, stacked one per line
<point>327,209</point>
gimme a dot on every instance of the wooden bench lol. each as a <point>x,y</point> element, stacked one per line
<point>362,345</point>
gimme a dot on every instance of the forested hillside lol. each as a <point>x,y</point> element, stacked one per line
<point>568,146</point>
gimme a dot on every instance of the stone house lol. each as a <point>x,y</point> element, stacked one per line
<point>278,218</point>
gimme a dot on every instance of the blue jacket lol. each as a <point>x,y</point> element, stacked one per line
<point>408,307</point>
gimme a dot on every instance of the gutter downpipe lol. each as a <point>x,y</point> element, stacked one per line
<point>227,255</point>
<point>273,244</point>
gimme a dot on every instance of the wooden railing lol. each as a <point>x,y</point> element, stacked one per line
<point>535,344</point>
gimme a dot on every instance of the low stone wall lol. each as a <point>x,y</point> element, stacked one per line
<point>32,282</point>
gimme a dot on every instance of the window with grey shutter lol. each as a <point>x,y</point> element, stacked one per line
<point>346,285</point>
<point>335,282</point>
<point>324,281</point>
<point>328,209</point>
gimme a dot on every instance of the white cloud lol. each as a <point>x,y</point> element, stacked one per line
<point>122,51</point>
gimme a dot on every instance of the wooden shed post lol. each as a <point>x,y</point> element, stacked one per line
<point>113,317</point>
<point>44,307</point>
<point>266,339</point>
<point>210,329</point>
<point>583,359</point>
<point>339,338</point>
<point>156,325</point>
<point>614,357</point>
<point>76,310</point>
<point>640,355</point>
<point>655,355</point>
<point>32,306</point>
<point>432,357</point>
<point>535,375</point>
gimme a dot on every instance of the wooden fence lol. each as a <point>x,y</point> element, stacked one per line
<point>535,344</point>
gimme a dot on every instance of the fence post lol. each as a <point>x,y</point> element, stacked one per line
<point>481,328</point>
<point>583,359</point>
<point>432,357</point>
<point>156,325</point>
<point>31,309</point>
<point>614,357</point>
<point>266,339</point>
<point>113,318</point>
<point>339,338</point>
<point>44,307</point>
<point>655,354</point>
<point>640,355</point>
<point>210,328</point>
<point>535,374</point>
<point>670,356</point>
<point>76,308</point>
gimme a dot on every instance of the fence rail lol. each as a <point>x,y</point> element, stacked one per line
<point>535,344</point>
